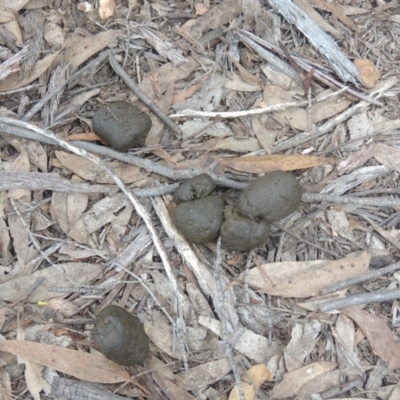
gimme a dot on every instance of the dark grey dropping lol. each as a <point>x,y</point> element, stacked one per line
<point>120,336</point>
<point>121,125</point>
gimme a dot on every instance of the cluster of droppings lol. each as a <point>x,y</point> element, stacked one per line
<point>122,125</point>
<point>200,216</point>
<point>120,336</point>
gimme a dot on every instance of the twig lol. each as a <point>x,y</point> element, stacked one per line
<point>373,297</point>
<point>367,201</point>
<point>246,276</point>
<point>254,42</point>
<point>140,209</point>
<point>142,96</point>
<point>52,181</point>
<point>256,111</point>
<point>22,89</point>
<point>362,278</point>
<point>332,253</point>
<point>90,66</point>
<point>7,125</point>
<point>35,242</point>
<point>224,322</point>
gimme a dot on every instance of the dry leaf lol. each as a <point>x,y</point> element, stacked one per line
<point>16,81</point>
<point>21,164</point>
<point>203,375</point>
<point>85,366</point>
<point>160,334</point>
<point>66,208</point>
<point>252,345</point>
<point>318,19</point>
<point>387,155</point>
<point>256,376</point>
<point>14,5</point>
<point>305,278</point>
<point>339,222</point>
<point>240,146</point>
<point>368,72</point>
<point>34,379</point>
<point>201,9</point>
<point>34,150</point>
<point>10,25</point>
<point>293,381</point>
<point>236,83</point>
<point>80,273</point>
<point>174,391</point>
<point>106,8</point>
<point>265,135</point>
<point>53,34</point>
<point>328,108</point>
<point>245,75</point>
<point>274,162</point>
<point>79,49</point>
<point>115,209</point>
<point>383,341</point>
<point>337,10</point>
<point>91,172</point>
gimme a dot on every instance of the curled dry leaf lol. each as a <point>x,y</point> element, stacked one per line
<point>381,338</point>
<point>85,366</point>
<point>107,8</point>
<point>256,376</point>
<point>293,381</point>
<point>368,72</point>
<point>305,278</point>
<point>274,162</point>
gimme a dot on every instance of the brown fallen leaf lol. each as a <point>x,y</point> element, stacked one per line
<point>255,377</point>
<point>383,341</point>
<point>89,136</point>
<point>274,162</point>
<point>305,278</point>
<point>368,72</point>
<point>79,49</point>
<point>16,80</point>
<point>293,381</point>
<point>203,375</point>
<point>85,366</point>
<point>106,8</point>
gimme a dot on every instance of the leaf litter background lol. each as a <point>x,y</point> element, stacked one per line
<point>71,242</point>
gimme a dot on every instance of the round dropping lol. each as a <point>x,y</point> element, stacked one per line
<point>121,125</point>
<point>194,188</point>
<point>239,233</point>
<point>200,220</point>
<point>272,197</point>
<point>120,336</point>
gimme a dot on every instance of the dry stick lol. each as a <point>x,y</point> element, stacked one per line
<point>224,329</point>
<point>374,201</point>
<point>256,111</point>
<point>133,199</point>
<point>7,125</point>
<point>140,209</point>
<point>332,253</point>
<point>362,278</point>
<point>373,297</point>
<point>142,97</point>
<point>254,42</point>
<point>40,104</point>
